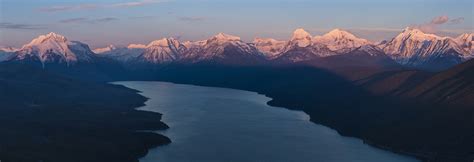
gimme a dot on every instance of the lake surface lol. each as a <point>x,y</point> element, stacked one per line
<point>226,125</point>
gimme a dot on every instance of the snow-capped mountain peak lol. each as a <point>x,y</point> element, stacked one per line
<point>342,34</point>
<point>300,33</point>
<point>301,38</point>
<point>53,37</point>
<point>162,51</point>
<point>222,38</point>
<point>417,34</point>
<point>337,40</point>
<point>54,48</point>
<point>413,47</point>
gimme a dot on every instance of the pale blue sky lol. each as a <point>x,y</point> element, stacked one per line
<point>121,22</point>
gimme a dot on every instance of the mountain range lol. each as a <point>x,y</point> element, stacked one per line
<point>411,48</point>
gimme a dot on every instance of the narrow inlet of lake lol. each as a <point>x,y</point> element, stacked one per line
<point>225,125</point>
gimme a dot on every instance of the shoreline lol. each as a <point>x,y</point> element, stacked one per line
<point>268,103</point>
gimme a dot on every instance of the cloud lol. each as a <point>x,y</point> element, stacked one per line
<point>88,21</point>
<point>81,7</point>
<point>136,3</point>
<point>69,8</point>
<point>5,25</point>
<point>433,25</point>
<point>191,19</point>
<point>74,20</point>
<point>440,20</point>
<point>141,17</point>
<point>458,20</point>
<point>107,19</point>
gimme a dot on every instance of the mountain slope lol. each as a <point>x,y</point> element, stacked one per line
<point>413,48</point>
<point>222,48</point>
<point>340,41</point>
<point>121,54</point>
<point>54,48</point>
<point>301,47</point>
<point>48,117</point>
<point>5,55</point>
<point>466,41</point>
<point>357,64</point>
<point>270,47</point>
<point>162,51</point>
<point>453,86</point>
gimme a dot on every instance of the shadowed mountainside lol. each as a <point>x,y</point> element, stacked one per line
<point>47,117</point>
<point>455,86</point>
<point>438,132</point>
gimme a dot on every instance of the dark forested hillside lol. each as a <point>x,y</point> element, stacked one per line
<point>454,86</point>
<point>47,117</point>
<point>430,131</point>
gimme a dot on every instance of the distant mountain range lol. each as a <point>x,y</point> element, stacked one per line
<point>411,48</point>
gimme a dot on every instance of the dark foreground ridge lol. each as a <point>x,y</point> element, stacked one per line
<point>50,118</point>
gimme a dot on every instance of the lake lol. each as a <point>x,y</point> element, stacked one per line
<point>225,125</point>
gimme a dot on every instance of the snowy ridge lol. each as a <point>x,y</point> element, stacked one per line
<point>466,42</point>
<point>268,46</point>
<point>122,54</point>
<point>105,49</point>
<point>214,48</point>
<point>412,47</point>
<point>54,48</point>
<point>8,49</point>
<point>340,40</point>
<point>136,46</point>
<point>165,50</point>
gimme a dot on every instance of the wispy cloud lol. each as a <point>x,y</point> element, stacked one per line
<point>440,20</point>
<point>136,3</point>
<point>191,19</point>
<point>458,20</point>
<point>433,25</point>
<point>141,17</point>
<point>107,19</point>
<point>6,25</point>
<point>87,20</point>
<point>74,20</point>
<point>80,7</point>
<point>69,8</point>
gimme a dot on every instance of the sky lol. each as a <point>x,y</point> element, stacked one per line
<point>121,22</point>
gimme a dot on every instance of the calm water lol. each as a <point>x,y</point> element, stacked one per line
<point>226,125</point>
